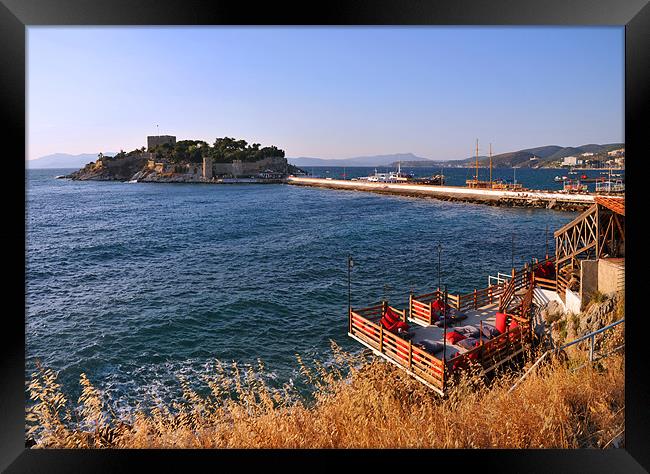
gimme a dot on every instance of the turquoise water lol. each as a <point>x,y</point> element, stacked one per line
<point>136,284</point>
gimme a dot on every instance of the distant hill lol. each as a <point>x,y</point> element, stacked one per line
<point>378,160</point>
<point>418,163</point>
<point>64,160</point>
<point>540,156</point>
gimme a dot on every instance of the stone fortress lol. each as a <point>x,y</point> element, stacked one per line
<point>268,168</point>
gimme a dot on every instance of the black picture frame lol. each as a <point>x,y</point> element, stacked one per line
<point>16,15</point>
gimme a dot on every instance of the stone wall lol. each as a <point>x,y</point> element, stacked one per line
<point>611,275</point>
<point>588,279</point>
<point>240,168</point>
<point>572,302</point>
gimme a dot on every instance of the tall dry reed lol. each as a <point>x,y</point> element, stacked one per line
<point>357,403</point>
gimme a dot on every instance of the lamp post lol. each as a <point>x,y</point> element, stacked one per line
<point>350,264</point>
<point>439,268</point>
<point>546,240</point>
<point>444,338</point>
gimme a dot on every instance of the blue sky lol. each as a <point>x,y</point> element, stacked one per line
<point>326,92</point>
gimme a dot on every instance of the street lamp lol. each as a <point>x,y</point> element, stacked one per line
<point>439,268</point>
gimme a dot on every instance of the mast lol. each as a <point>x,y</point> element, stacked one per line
<point>477,162</point>
<point>490,165</point>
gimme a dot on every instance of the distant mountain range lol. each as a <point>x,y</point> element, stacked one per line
<point>544,155</point>
<point>377,160</point>
<point>64,160</point>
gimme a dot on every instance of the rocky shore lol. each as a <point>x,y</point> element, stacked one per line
<point>109,169</point>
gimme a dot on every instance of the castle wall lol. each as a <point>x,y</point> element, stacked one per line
<point>243,168</point>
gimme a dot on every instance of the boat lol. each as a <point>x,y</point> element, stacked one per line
<point>559,179</point>
<point>392,177</point>
<point>377,177</point>
<point>436,179</point>
<point>610,186</point>
<point>575,186</point>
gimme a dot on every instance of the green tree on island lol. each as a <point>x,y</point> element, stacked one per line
<point>223,150</point>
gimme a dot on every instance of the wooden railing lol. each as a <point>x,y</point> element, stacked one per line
<point>508,294</point>
<point>496,351</point>
<point>480,298</point>
<point>546,283</point>
<point>417,361</point>
<point>428,368</point>
<point>562,285</point>
<point>420,307</point>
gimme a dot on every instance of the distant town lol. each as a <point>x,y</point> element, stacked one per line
<point>612,159</point>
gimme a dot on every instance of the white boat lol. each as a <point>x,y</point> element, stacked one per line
<point>560,179</point>
<point>392,177</point>
<point>610,186</point>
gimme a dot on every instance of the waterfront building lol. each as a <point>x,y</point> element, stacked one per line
<point>570,161</point>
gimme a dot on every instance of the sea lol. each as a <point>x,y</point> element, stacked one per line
<point>139,284</point>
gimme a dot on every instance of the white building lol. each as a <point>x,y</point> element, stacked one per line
<point>620,151</point>
<point>587,154</point>
<point>570,161</point>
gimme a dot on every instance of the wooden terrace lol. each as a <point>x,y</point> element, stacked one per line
<point>417,352</point>
<point>597,233</point>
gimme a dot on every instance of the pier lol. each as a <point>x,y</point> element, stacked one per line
<point>494,197</point>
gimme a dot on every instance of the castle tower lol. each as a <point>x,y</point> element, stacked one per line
<point>155,140</point>
<point>207,167</point>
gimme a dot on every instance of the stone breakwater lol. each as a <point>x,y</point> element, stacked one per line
<point>539,199</point>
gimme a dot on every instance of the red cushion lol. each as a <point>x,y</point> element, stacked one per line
<point>438,305</point>
<point>453,337</point>
<point>391,316</point>
<point>401,325</point>
<point>392,322</point>
<point>500,322</point>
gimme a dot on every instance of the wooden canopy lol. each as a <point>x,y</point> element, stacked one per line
<point>596,233</point>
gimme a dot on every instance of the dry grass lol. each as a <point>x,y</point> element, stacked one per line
<point>358,403</point>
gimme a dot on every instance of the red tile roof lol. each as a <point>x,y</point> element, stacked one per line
<point>616,204</point>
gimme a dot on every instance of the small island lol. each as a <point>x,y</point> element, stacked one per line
<point>165,160</point>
